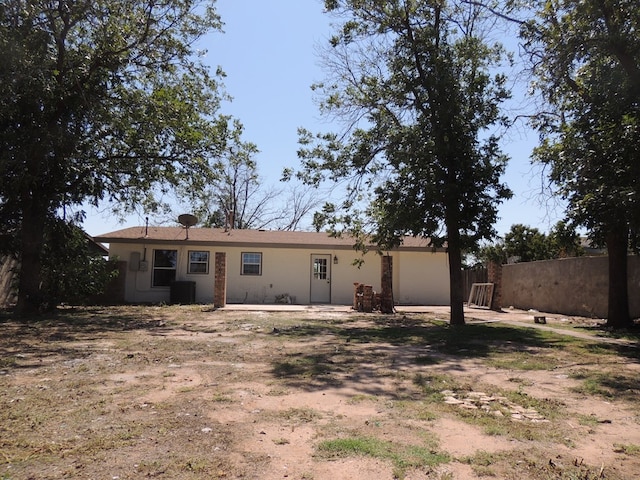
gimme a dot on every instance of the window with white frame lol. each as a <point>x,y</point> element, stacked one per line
<point>320,268</point>
<point>198,261</point>
<point>251,263</point>
<point>164,267</point>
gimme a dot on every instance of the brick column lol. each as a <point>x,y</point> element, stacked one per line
<point>220,280</point>
<point>367,299</point>
<point>386,296</point>
<point>494,275</point>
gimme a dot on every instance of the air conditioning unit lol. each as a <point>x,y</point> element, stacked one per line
<point>183,293</point>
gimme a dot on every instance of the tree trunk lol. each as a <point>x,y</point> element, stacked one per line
<point>455,286</point>
<point>386,281</point>
<point>455,270</point>
<point>32,240</point>
<point>617,247</point>
<point>452,199</point>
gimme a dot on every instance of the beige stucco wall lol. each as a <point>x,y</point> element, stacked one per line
<point>279,269</point>
<point>571,286</point>
<point>420,277</point>
<point>138,283</point>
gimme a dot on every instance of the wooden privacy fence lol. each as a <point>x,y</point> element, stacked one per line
<point>471,276</point>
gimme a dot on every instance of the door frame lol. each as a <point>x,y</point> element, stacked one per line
<point>326,294</point>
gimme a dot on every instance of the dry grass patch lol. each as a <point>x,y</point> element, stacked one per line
<point>402,456</point>
<point>184,392</point>
<point>534,464</point>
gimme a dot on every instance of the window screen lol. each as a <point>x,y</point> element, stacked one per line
<point>198,262</point>
<point>251,263</point>
<point>164,267</point>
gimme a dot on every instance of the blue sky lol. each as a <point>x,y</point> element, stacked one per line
<point>268,52</point>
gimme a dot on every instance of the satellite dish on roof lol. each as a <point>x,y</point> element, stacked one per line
<point>187,220</point>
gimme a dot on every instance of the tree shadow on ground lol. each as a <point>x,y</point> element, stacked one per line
<point>382,347</point>
<point>601,330</point>
<point>30,343</point>
<point>467,341</point>
<point>89,319</point>
<point>348,353</point>
<point>611,386</point>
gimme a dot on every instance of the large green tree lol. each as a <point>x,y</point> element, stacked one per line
<point>412,81</point>
<point>527,244</point>
<point>586,59</point>
<point>100,100</point>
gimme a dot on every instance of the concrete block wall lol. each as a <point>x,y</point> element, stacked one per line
<point>570,286</point>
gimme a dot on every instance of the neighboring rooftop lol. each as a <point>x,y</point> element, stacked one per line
<point>220,236</point>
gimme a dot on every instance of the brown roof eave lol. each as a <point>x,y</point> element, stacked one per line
<point>209,243</point>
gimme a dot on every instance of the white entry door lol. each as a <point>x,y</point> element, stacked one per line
<point>320,278</point>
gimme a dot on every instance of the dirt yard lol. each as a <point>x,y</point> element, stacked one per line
<point>191,393</point>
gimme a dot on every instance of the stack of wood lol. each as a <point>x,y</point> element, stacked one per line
<point>365,299</point>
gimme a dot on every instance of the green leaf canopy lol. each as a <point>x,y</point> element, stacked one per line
<point>413,82</point>
<point>101,100</point>
<point>586,60</point>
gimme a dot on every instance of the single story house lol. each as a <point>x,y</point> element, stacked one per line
<point>262,266</point>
